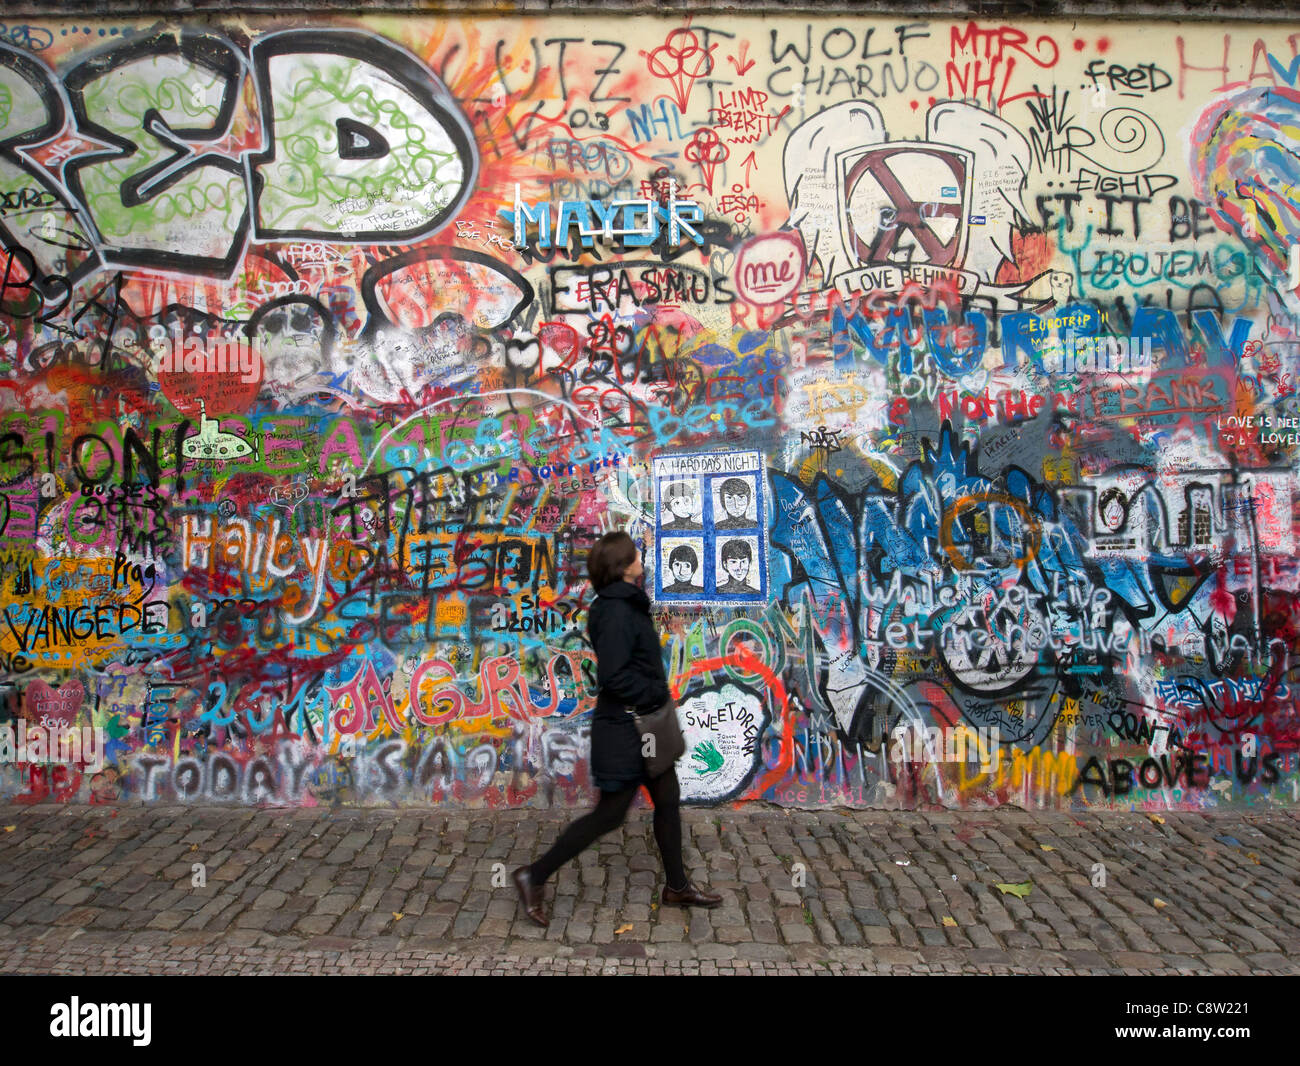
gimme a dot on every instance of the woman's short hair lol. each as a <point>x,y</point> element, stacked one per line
<point>609,557</point>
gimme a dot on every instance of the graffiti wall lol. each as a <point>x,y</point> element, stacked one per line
<point>945,372</point>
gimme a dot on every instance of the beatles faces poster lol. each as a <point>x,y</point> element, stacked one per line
<point>711,537</point>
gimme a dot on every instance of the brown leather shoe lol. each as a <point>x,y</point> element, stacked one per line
<point>531,896</point>
<point>690,896</point>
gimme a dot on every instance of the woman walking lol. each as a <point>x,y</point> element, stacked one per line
<point>629,673</point>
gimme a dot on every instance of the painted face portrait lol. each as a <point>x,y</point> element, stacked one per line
<point>681,506</point>
<point>736,571</point>
<point>738,568</point>
<point>732,502</point>
<point>291,338</point>
<point>681,565</point>
<point>735,503</point>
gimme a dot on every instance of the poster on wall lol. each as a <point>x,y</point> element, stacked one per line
<point>710,532</point>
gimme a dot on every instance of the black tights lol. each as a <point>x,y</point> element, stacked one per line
<point>609,814</point>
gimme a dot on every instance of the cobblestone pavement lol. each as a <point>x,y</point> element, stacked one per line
<point>90,890</point>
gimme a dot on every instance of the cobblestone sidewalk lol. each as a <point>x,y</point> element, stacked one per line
<point>92,890</point>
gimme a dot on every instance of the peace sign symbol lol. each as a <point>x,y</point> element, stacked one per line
<point>913,209</point>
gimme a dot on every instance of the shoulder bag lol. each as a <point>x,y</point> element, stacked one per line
<point>669,743</point>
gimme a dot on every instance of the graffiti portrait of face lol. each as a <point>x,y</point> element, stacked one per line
<point>680,565</point>
<point>1112,511</point>
<point>682,506</point>
<point>294,340</point>
<point>733,498</point>
<point>738,568</point>
<point>682,499</point>
<point>735,503</point>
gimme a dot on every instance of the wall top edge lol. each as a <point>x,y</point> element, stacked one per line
<point>1155,10</point>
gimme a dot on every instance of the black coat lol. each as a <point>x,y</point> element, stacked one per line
<point>629,672</point>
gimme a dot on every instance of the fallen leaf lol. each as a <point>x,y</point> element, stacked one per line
<point>397,916</point>
<point>1158,902</point>
<point>194,847</point>
<point>1253,857</point>
<point>949,921</point>
<point>1156,818</point>
<point>1021,890</point>
<point>626,928</point>
<point>1047,847</point>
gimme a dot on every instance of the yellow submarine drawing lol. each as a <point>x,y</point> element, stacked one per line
<point>211,443</point>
